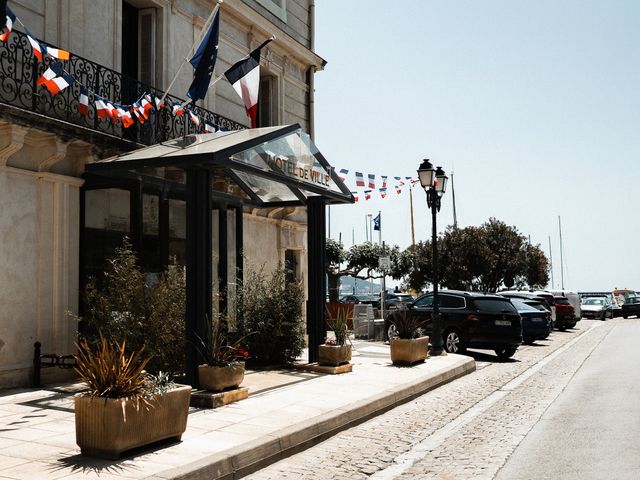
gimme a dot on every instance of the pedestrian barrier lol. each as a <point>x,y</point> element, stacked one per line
<point>48,360</point>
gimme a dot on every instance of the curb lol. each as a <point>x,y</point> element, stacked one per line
<point>252,456</point>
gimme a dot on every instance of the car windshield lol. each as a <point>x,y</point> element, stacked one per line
<point>562,301</point>
<point>594,301</point>
<point>521,306</point>
<point>494,305</point>
<point>633,300</point>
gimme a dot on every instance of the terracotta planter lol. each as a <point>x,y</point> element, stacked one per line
<point>106,427</point>
<point>409,351</point>
<point>216,379</point>
<point>334,355</point>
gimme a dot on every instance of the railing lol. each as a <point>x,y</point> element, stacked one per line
<point>20,70</point>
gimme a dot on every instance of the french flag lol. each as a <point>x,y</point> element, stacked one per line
<point>37,48</point>
<point>141,110</point>
<point>51,73</point>
<point>194,118</point>
<point>359,179</point>
<point>146,104</point>
<point>6,30</point>
<point>244,77</point>
<point>398,189</point>
<point>384,181</point>
<point>137,114</point>
<point>355,196</point>
<point>83,102</point>
<point>367,194</point>
<point>56,52</point>
<point>209,128</point>
<point>343,174</point>
<point>372,181</point>
<point>159,103</point>
<point>101,108</point>
<point>178,110</point>
<point>125,116</point>
<point>383,192</point>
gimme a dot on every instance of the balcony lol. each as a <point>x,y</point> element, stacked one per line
<point>33,105</point>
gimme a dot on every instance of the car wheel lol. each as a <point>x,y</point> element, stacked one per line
<point>562,327</point>
<point>504,353</point>
<point>453,341</point>
<point>625,316</point>
<point>528,340</point>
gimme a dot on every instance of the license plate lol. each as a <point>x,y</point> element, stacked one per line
<point>537,320</point>
<point>506,323</point>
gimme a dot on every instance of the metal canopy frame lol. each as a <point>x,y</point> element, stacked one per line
<point>200,164</point>
<point>180,153</point>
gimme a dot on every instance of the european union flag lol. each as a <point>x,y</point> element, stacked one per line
<point>204,61</point>
<point>376,222</point>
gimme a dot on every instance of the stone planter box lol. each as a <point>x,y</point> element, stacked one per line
<point>106,427</point>
<point>334,355</point>
<point>216,379</point>
<point>409,351</point>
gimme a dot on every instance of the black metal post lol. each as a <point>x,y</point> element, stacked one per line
<point>198,263</point>
<point>436,333</point>
<point>316,240</point>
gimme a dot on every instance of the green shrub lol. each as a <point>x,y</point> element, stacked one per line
<point>272,317</point>
<point>123,306</point>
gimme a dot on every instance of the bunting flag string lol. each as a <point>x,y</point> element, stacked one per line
<point>383,189</point>
<point>56,79</point>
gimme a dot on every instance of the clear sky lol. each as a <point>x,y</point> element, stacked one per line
<point>534,105</point>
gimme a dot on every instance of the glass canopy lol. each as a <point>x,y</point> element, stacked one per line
<point>272,165</point>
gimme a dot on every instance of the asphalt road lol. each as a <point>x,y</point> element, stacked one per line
<point>592,430</point>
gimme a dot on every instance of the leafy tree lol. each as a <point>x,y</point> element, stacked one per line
<point>336,255</point>
<point>476,258</point>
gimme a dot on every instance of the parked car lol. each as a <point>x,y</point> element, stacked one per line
<point>631,306</point>
<point>597,307</point>
<point>542,307</point>
<point>396,300</point>
<point>574,300</point>
<point>470,320</point>
<point>536,324</point>
<point>533,296</point>
<point>565,313</point>
<point>358,298</point>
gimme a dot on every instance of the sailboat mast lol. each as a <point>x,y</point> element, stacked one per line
<point>453,196</point>
<point>413,231</point>
<point>551,262</point>
<point>561,264</point>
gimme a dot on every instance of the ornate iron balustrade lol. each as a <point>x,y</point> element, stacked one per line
<point>20,70</point>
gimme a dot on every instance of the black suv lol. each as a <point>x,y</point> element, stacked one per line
<point>471,320</point>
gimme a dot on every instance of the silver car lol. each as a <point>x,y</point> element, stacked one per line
<point>597,307</point>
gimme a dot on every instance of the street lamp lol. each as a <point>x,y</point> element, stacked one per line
<point>434,182</point>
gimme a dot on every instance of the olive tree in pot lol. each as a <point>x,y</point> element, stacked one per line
<point>124,407</point>
<point>408,344</point>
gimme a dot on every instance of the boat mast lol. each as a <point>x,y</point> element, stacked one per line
<point>561,264</point>
<point>551,262</point>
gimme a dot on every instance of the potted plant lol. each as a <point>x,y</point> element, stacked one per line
<point>124,407</point>
<point>408,345</point>
<point>225,361</point>
<point>336,350</point>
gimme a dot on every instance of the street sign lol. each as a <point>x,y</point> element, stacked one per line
<point>384,263</point>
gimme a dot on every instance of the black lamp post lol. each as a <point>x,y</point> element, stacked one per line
<point>434,182</point>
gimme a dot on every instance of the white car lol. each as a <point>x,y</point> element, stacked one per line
<point>597,307</point>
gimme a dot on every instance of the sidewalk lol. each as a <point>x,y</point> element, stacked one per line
<point>286,412</point>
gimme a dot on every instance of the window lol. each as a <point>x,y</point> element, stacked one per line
<point>268,102</point>
<point>449,301</point>
<point>277,7</point>
<point>138,45</point>
<point>487,305</point>
<point>425,302</point>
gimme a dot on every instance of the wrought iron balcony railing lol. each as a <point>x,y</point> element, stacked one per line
<point>20,70</point>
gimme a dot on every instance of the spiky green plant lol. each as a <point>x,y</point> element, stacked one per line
<point>406,324</point>
<point>338,323</point>
<point>108,371</point>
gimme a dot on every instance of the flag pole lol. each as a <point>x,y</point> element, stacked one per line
<point>202,34</point>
